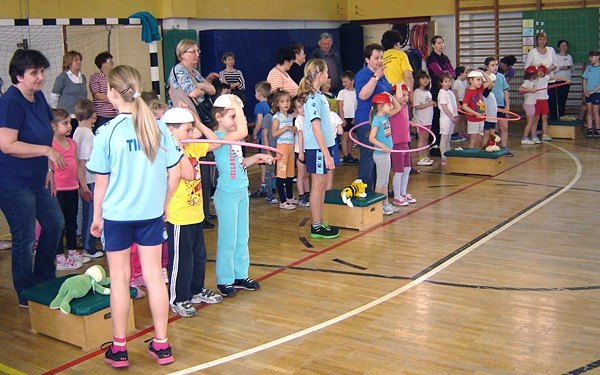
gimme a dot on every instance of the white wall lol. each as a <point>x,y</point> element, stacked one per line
<point>446,28</point>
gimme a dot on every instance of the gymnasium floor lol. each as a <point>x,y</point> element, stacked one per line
<point>482,275</point>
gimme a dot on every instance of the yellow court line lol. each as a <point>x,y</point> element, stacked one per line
<point>10,371</point>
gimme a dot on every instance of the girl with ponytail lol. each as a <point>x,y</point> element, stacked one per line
<point>136,162</point>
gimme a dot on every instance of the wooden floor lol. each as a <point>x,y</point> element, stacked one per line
<point>481,276</point>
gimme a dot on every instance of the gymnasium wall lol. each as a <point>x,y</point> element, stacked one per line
<point>124,42</point>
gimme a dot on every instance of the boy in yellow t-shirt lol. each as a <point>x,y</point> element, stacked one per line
<point>185,214</point>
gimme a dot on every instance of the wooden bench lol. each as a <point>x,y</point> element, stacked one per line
<point>88,326</point>
<point>564,129</point>
<point>366,213</point>
<point>475,161</point>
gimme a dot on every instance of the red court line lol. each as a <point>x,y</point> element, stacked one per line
<point>303,260</point>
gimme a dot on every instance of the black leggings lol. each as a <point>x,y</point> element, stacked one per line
<point>68,201</point>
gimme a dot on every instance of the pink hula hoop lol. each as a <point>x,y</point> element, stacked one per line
<point>399,151</point>
<point>555,85</point>
<point>509,119</point>
<point>223,142</point>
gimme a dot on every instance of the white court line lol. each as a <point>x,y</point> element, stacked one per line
<point>390,295</point>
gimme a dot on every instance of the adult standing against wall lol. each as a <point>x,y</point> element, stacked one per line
<point>558,96</point>
<point>279,77</point>
<point>297,69</point>
<point>99,87</point>
<point>27,161</point>
<point>437,64</point>
<point>369,81</point>
<point>334,63</point>
<point>541,54</point>
<point>69,86</point>
<point>397,67</point>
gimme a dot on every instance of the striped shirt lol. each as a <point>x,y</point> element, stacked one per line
<point>233,77</point>
<point>99,84</point>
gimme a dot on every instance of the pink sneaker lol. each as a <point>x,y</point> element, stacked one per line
<point>400,201</point>
<point>409,198</point>
<point>65,264</point>
<point>76,256</point>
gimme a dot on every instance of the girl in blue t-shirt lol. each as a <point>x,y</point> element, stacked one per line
<point>136,162</point>
<point>231,197</point>
<point>384,106</point>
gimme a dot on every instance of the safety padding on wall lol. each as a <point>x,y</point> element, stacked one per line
<point>255,52</point>
<point>152,47</point>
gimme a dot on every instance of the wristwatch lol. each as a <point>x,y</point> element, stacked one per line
<point>376,78</point>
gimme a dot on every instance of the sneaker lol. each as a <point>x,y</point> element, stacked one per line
<point>536,140</point>
<point>78,257</point>
<point>226,290</point>
<point>508,153</point>
<point>287,206</point>
<point>116,360</point>
<point>247,284</point>
<point>324,231</point>
<point>409,198</point>
<point>527,141</point>
<point>97,254</point>
<point>400,201</point>
<point>444,162</point>
<point>292,200</point>
<point>65,264</point>
<point>455,138</point>
<point>387,210</point>
<point>546,138</point>
<point>463,135</point>
<point>589,134</point>
<point>347,160</point>
<point>304,202</point>
<point>163,356</point>
<point>271,199</point>
<point>5,245</point>
<point>596,133</point>
<point>393,208</point>
<point>425,161</point>
<point>206,296</point>
<point>260,193</point>
<point>184,309</point>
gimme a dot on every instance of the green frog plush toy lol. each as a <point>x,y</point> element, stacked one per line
<point>78,286</point>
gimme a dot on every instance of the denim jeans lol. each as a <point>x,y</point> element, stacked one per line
<point>21,208</point>
<point>87,215</point>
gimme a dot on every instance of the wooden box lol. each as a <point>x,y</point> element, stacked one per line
<point>474,161</point>
<point>564,129</point>
<point>366,213</point>
<point>88,325</point>
<point>87,332</point>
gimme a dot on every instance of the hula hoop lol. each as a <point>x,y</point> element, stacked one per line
<point>509,119</point>
<point>431,145</point>
<point>233,143</point>
<point>549,87</point>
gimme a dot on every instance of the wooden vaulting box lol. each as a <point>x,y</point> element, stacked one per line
<point>88,325</point>
<point>366,213</point>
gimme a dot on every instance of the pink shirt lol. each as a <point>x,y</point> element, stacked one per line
<point>278,80</point>
<point>66,180</point>
<point>400,126</point>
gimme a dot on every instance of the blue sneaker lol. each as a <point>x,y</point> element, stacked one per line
<point>271,199</point>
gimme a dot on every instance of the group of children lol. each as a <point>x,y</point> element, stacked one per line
<point>280,121</point>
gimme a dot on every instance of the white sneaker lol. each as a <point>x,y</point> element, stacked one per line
<point>206,296</point>
<point>527,141</point>
<point>387,210</point>
<point>65,264</point>
<point>76,256</point>
<point>393,208</point>
<point>425,161</point>
<point>536,140</point>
